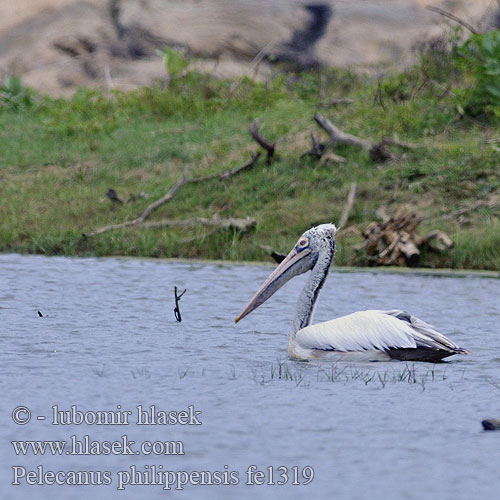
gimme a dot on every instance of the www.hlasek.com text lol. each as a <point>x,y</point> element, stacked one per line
<point>154,475</point>
<point>86,446</point>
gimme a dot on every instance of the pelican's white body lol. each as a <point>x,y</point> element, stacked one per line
<point>364,335</point>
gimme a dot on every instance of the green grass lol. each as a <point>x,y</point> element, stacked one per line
<point>59,157</point>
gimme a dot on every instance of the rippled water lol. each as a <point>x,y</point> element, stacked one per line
<point>382,430</point>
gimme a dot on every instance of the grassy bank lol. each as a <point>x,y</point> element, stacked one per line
<point>60,157</point>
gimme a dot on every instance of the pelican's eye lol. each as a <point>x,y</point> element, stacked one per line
<point>303,243</point>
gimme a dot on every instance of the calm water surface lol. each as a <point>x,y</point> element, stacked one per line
<point>379,430</point>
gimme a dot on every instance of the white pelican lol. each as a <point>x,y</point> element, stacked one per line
<point>367,335</point>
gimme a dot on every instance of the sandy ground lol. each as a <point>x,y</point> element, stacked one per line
<point>56,45</point>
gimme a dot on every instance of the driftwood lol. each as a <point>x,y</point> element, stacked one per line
<point>339,137</point>
<point>141,220</point>
<point>378,151</point>
<point>351,197</point>
<point>395,240</point>
<point>268,146</point>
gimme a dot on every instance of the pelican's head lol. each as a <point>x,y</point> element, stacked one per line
<point>315,242</point>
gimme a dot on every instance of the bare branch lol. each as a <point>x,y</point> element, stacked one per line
<point>451,16</point>
<point>316,150</point>
<point>140,221</point>
<point>158,203</point>
<point>228,173</point>
<point>111,227</point>
<point>268,146</point>
<point>339,137</point>
<point>378,152</point>
<point>151,208</point>
<point>242,225</point>
<point>348,207</point>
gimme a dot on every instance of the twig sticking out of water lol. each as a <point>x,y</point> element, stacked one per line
<point>177,311</point>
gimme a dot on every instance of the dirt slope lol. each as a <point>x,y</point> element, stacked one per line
<point>56,45</point>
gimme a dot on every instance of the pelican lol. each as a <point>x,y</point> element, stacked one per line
<point>364,335</point>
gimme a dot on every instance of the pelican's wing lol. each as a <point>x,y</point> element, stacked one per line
<point>424,334</point>
<point>360,331</point>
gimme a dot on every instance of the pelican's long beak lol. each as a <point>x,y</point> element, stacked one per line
<point>288,268</point>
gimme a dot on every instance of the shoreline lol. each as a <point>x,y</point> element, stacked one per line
<point>417,271</point>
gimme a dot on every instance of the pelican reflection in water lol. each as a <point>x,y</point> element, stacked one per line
<point>367,335</point>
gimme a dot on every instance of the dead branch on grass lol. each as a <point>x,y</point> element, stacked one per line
<point>242,225</point>
<point>351,198</point>
<point>141,220</point>
<point>257,137</point>
<point>149,210</point>
<point>317,149</point>
<point>378,151</point>
<point>229,172</point>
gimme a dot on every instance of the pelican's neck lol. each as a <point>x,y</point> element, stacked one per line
<point>310,292</point>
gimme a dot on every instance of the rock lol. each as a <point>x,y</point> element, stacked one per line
<point>491,424</point>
